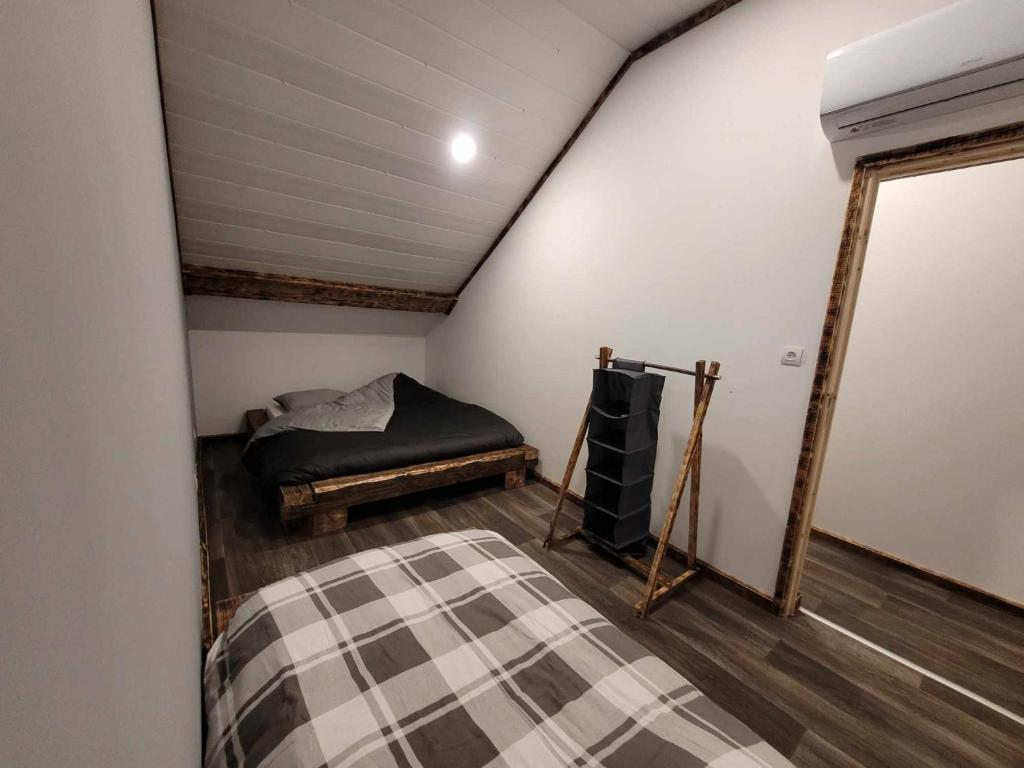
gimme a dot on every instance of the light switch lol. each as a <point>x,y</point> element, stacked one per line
<point>793,356</point>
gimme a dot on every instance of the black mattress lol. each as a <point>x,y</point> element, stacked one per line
<point>426,426</point>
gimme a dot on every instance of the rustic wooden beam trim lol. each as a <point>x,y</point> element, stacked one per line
<point>811,443</point>
<point>227,608</point>
<point>208,628</point>
<point>677,30</point>
<point>961,151</point>
<point>327,501</point>
<point>372,486</point>
<point>243,284</point>
<point>1005,143</point>
<point>975,593</point>
<point>521,454</point>
<point>297,500</point>
<point>655,42</point>
<point>549,170</point>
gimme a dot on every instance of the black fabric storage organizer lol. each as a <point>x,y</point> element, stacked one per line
<point>621,425</point>
<point>622,443</point>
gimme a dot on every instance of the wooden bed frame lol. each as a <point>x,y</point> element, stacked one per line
<point>324,503</point>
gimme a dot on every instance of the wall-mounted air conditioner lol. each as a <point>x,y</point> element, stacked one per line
<point>967,54</point>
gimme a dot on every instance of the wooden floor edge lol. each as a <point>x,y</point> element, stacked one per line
<point>204,554</point>
<point>975,593</point>
<point>727,580</point>
<point>740,587</point>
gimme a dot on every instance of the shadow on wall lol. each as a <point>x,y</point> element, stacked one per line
<point>846,153</point>
<point>721,528</point>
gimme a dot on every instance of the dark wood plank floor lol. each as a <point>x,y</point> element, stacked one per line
<point>818,697</point>
<point>974,644</point>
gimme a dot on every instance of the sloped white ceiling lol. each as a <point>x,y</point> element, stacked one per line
<point>311,137</point>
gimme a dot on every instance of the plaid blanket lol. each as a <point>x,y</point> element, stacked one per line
<point>451,650</point>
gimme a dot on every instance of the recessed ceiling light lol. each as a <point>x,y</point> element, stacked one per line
<point>463,148</point>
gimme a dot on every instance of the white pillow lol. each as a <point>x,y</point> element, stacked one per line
<point>274,409</point>
<point>292,401</point>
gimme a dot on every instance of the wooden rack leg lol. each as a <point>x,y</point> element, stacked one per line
<point>570,467</point>
<point>653,591</point>
<point>691,539</point>
<point>604,354</point>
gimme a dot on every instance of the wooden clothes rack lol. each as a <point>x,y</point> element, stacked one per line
<point>658,587</point>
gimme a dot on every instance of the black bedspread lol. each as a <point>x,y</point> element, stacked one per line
<point>426,426</point>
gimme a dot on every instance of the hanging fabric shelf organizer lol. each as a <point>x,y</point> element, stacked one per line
<point>622,444</point>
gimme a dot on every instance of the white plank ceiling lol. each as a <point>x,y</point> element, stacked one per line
<point>311,137</point>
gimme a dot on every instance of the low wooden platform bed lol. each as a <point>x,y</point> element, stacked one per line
<point>431,441</point>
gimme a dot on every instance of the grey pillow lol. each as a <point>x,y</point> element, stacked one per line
<point>291,401</point>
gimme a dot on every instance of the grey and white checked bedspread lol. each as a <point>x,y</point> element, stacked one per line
<point>452,650</point>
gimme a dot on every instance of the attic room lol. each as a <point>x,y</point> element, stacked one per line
<point>457,383</point>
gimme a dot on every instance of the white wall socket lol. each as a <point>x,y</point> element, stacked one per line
<point>792,356</point>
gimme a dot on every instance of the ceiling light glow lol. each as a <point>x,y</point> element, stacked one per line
<point>463,148</point>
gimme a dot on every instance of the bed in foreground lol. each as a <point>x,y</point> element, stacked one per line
<point>431,440</point>
<point>452,650</point>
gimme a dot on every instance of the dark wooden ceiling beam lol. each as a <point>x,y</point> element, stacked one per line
<point>242,284</point>
<point>690,22</point>
<point>706,13</point>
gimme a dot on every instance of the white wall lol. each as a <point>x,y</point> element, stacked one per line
<point>697,216</point>
<point>233,371</point>
<point>924,456</point>
<point>99,560</point>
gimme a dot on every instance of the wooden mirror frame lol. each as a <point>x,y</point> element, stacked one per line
<point>962,151</point>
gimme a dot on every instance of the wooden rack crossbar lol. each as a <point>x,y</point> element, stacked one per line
<point>672,368</point>
<point>658,587</point>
